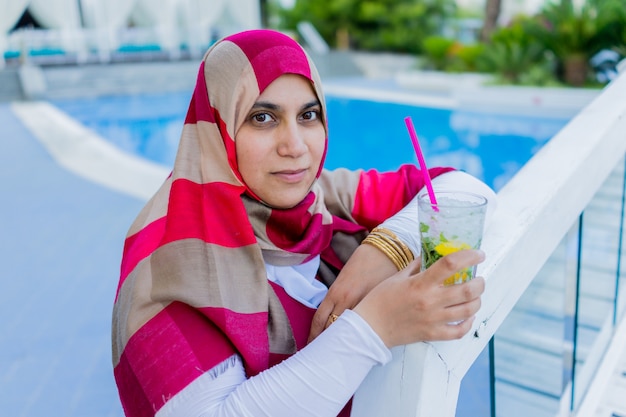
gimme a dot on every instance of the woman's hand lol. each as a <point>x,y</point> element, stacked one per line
<point>415,306</point>
<point>366,268</point>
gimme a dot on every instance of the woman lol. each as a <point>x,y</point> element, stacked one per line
<point>225,267</point>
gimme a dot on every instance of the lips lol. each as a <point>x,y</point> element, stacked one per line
<point>291,175</point>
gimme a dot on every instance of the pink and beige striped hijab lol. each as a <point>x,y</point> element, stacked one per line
<point>193,287</point>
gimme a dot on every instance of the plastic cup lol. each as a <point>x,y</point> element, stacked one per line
<point>454,223</point>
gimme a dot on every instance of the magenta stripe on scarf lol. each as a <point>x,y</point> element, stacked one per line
<point>141,245</point>
<point>194,213</point>
<point>199,107</point>
<point>247,332</point>
<point>153,379</point>
<point>282,54</point>
<point>134,400</point>
<point>296,231</point>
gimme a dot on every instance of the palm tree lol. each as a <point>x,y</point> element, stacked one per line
<point>264,12</point>
<point>573,33</point>
<point>492,12</point>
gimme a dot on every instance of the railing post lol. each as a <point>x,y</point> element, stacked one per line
<point>571,302</point>
<point>416,372</point>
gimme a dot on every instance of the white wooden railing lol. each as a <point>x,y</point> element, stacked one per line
<point>536,209</point>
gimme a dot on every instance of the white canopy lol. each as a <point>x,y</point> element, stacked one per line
<point>171,23</point>
<point>12,10</point>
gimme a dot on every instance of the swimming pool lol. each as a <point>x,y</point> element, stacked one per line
<point>363,133</point>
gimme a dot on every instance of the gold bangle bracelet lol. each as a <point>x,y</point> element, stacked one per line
<point>391,246</point>
<point>384,249</point>
<point>405,249</point>
<point>396,246</point>
<point>402,261</point>
<point>399,264</point>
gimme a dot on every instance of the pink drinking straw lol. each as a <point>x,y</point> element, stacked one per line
<point>422,162</point>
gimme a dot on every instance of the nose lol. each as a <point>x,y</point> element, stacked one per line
<point>292,140</point>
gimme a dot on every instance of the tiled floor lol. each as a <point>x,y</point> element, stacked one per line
<point>60,240</point>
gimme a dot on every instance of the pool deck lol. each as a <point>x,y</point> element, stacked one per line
<point>61,251</point>
<point>68,208</point>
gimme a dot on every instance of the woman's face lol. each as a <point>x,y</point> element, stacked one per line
<point>281,142</point>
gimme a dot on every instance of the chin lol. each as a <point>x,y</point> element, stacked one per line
<point>285,203</point>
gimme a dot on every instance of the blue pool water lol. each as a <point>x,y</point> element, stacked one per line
<point>363,134</point>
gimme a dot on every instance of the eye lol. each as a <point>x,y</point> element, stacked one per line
<point>261,118</point>
<point>311,115</point>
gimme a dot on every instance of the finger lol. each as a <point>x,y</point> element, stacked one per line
<point>415,265</point>
<point>320,319</point>
<point>462,311</point>
<point>334,315</point>
<point>452,263</point>
<point>456,329</point>
<point>465,292</point>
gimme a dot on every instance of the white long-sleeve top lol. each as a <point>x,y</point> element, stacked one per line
<point>320,378</point>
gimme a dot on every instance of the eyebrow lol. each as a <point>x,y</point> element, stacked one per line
<point>310,104</point>
<point>272,106</point>
<point>265,105</point>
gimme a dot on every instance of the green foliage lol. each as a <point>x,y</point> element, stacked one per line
<point>539,74</point>
<point>512,52</point>
<point>532,50</point>
<point>611,25</point>
<point>574,34</point>
<point>565,30</point>
<point>437,51</point>
<point>374,25</point>
<point>569,30</point>
<point>466,58</point>
<point>327,17</point>
<point>621,45</point>
<point>447,54</point>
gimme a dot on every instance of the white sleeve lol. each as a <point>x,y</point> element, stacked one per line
<point>317,381</point>
<point>405,223</point>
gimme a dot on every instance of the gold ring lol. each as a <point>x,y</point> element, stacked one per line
<point>333,317</point>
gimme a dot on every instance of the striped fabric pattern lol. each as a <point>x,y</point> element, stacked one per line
<point>193,288</point>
